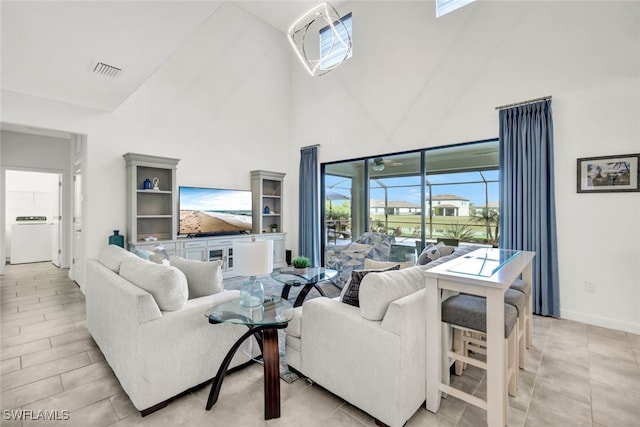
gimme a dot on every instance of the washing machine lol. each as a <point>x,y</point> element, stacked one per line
<point>30,240</point>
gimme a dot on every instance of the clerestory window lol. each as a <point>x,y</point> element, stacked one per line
<point>336,42</point>
<point>445,6</point>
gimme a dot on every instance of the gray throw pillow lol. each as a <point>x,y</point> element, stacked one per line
<point>433,252</point>
<point>428,254</point>
<point>351,295</point>
<point>203,277</point>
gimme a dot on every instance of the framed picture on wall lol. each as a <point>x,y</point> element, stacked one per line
<point>607,174</point>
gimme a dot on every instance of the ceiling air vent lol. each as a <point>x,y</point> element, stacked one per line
<point>106,69</point>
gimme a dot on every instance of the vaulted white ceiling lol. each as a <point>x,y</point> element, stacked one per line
<point>49,47</point>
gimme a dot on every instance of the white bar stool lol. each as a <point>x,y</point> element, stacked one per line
<point>525,288</point>
<point>466,314</point>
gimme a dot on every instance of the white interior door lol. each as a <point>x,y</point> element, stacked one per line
<point>77,266</point>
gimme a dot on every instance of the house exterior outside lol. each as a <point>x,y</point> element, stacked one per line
<point>394,207</point>
<point>449,205</point>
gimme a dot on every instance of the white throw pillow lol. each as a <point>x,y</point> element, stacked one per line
<point>379,290</point>
<point>203,277</point>
<point>111,257</point>
<point>166,284</point>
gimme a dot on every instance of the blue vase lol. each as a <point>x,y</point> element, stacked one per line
<point>116,239</point>
<point>147,185</point>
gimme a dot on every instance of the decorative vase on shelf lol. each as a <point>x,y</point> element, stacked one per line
<point>147,185</point>
<point>266,209</point>
<point>117,239</point>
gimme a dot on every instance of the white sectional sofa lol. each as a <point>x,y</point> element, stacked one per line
<point>373,356</point>
<point>155,354</point>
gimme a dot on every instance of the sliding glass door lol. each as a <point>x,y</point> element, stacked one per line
<point>447,193</point>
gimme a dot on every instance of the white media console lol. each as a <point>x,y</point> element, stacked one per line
<point>214,248</point>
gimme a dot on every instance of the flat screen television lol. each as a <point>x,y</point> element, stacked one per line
<point>214,211</point>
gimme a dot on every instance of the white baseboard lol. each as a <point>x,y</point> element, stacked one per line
<point>603,322</point>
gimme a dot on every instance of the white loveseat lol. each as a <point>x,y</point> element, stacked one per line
<point>155,354</point>
<point>373,356</point>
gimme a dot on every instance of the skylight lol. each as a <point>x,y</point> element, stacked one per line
<point>445,6</point>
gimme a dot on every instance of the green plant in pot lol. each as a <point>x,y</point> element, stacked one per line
<point>301,263</point>
<point>274,228</point>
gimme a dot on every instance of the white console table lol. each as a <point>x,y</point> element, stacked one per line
<point>487,273</point>
<point>214,248</point>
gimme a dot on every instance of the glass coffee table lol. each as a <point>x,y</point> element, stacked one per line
<point>263,323</point>
<point>307,277</point>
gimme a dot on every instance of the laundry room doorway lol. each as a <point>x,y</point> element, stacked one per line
<point>33,211</point>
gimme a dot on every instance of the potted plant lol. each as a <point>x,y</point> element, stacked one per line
<point>300,264</point>
<point>274,228</point>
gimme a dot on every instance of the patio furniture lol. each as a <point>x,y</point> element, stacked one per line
<point>346,258</point>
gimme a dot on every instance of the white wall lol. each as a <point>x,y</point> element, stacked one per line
<point>226,89</point>
<point>415,81</point>
<point>233,99</point>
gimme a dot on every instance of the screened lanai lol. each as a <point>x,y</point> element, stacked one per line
<point>419,197</point>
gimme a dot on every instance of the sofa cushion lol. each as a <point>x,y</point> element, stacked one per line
<point>377,291</point>
<point>372,264</point>
<point>111,256</point>
<point>351,295</point>
<point>294,327</point>
<point>166,284</point>
<point>203,277</point>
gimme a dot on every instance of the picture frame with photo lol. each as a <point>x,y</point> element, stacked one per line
<point>607,174</point>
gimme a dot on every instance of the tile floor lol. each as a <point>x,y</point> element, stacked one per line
<point>577,375</point>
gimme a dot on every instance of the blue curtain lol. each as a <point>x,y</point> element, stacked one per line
<point>308,206</point>
<point>527,201</point>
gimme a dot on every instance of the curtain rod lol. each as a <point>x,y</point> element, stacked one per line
<point>310,146</point>
<point>529,101</point>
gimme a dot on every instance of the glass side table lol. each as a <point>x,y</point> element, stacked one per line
<point>307,277</point>
<point>263,323</point>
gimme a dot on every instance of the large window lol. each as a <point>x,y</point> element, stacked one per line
<point>419,196</point>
